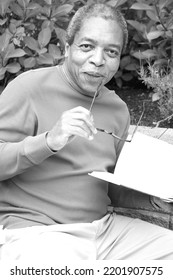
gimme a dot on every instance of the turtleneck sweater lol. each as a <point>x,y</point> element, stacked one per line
<point>42,187</point>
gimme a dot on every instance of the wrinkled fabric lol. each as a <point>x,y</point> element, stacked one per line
<point>114,237</point>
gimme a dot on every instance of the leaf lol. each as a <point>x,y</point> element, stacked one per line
<point>137,25</point>
<point>17,23</point>
<point>141,6</point>
<point>131,67</point>
<point>4,41</point>
<point>154,34</point>
<point>47,24</point>
<point>3,21</point>
<point>119,82</point>
<point>171,27</point>
<point>61,35</point>
<point>45,59</point>
<point>2,72</point>
<point>29,62</point>
<point>118,74</point>
<point>12,27</point>
<point>138,55</point>
<point>31,26</point>
<point>11,52</point>
<point>45,10</point>
<point>163,3</point>
<point>127,77</point>
<point>49,2</point>
<point>13,67</point>
<point>33,6</point>
<point>125,61</point>
<point>155,96</point>
<point>20,31</point>
<point>44,37</point>
<point>62,10</point>
<point>160,62</point>
<point>169,34</point>
<point>149,53</point>
<point>23,3</point>
<point>31,43</point>
<point>17,10</point>
<point>42,51</point>
<point>54,51</point>
<point>16,53</point>
<point>152,15</point>
<point>33,10</point>
<point>116,3</point>
<point>4,6</point>
<point>145,54</point>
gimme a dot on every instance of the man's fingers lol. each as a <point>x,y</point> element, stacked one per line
<point>74,122</point>
<point>80,131</point>
<point>82,118</point>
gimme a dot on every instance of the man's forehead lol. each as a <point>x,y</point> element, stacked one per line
<point>96,29</point>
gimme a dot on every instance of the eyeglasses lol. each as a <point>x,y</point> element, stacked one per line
<point>112,133</point>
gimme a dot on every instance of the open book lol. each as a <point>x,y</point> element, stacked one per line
<point>145,165</point>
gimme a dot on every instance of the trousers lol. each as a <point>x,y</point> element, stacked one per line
<point>113,237</point>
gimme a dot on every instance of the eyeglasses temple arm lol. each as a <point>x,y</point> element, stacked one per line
<point>114,135</point>
<point>94,97</point>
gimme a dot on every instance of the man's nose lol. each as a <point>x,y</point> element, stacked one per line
<point>97,57</point>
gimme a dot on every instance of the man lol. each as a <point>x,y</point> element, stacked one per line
<point>50,208</point>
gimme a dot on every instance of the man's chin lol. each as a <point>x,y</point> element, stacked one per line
<point>90,90</point>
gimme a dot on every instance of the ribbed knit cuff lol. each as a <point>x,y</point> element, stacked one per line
<point>36,148</point>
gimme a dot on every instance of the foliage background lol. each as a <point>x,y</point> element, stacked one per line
<point>32,35</point>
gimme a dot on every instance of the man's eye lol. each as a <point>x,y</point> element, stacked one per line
<point>86,47</point>
<point>113,53</point>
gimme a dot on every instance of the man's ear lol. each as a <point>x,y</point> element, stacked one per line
<point>66,49</point>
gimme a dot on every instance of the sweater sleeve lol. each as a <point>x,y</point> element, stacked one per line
<point>123,136</point>
<point>20,146</point>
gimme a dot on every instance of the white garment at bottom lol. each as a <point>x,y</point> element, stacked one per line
<point>112,237</point>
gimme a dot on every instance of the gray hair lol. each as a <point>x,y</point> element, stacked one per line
<point>96,10</point>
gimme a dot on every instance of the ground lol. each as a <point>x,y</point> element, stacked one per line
<point>135,98</point>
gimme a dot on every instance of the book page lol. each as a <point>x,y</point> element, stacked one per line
<point>145,164</point>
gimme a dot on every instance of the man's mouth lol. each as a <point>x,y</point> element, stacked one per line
<point>95,74</point>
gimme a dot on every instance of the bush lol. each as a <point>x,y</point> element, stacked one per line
<point>161,81</point>
<point>156,56</point>
<point>150,24</point>
<point>32,34</point>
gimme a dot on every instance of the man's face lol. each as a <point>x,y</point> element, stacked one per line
<point>94,56</point>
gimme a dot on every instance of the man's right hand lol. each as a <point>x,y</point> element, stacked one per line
<point>75,122</point>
